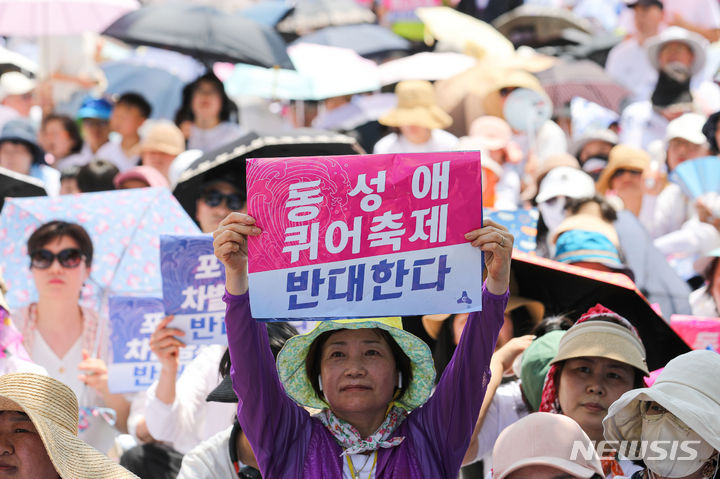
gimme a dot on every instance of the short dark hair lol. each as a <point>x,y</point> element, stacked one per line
<point>97,175</point>
<point>70,126</point>
<point>56,230</point>
<point>312,360</point>
<point>136,100</point>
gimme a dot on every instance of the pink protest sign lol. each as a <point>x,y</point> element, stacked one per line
<point>364,235</point>
<point>698,332</point>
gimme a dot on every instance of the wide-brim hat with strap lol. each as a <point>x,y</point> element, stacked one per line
<point>53,409</point>
<point>687,387</point>
<point>416,106</point>
<point>695,42</point>
<point>293,375</point>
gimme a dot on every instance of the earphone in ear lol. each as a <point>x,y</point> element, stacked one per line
<point>319,382</point>
<point>399,379</point>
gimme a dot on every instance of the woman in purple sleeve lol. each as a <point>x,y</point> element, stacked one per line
<point>370,380</point>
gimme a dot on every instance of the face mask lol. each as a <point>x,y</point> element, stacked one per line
<point>667,429</point>
<point>678,71</point>
<point>553,212</point>
<point>593,166</point>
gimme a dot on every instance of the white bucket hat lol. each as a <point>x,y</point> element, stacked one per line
<point>687,387</point>
<point>677,34</point>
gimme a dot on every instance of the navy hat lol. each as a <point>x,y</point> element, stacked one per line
<point>646,3</point>
<point>20,130</point>
<point>98,108</point>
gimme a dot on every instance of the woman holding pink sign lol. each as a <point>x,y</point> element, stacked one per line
<point>367,377</point>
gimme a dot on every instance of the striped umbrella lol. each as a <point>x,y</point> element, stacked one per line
<point>584,78</point>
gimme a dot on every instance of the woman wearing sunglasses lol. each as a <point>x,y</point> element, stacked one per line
<point>62,336</point>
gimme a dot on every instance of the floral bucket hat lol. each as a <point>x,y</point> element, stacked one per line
<point>293,375</point>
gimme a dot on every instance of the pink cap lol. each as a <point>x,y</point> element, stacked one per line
<point>148,174</point>
<point>545,439</point>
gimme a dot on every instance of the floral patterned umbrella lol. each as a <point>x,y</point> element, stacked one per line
<point>125,227</point>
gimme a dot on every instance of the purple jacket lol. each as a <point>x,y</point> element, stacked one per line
<point>289,443</point>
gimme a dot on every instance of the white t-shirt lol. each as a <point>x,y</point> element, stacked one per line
<point>190,419</point>
<point>210,459</point>
<point>629,65</point>
<point>364,465</point>
<point>440,140</point>
<point>215,137</point>
<point>114,153</point>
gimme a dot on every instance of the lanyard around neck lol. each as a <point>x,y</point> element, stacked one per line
<point>356,474</point>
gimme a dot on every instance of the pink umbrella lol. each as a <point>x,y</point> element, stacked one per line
<point>34,18</point>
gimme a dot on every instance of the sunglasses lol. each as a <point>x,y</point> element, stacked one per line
<point>68,258</point>
<point>214,198</point>
<point>620,171</point>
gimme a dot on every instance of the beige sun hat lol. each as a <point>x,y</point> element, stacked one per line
<point>416,105</point>
<point>53,409</point>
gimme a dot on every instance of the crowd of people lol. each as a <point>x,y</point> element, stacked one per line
<point>506,392</point>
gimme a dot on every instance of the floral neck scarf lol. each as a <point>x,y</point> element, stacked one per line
<point>349,438</point>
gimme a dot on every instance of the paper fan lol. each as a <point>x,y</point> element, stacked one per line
<point>698,176</point>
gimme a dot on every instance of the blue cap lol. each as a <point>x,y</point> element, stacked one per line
<point>21,130</point>
<point>98,108</point>
<point>576,246</point>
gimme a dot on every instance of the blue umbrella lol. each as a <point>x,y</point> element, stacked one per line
<point>365,39</point>
<point>269,12</point>
<point>160,87</point>
<point>124,225</point>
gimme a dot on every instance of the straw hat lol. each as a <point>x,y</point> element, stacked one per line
<point>293,375</point>
<point>687,387</point>
<point>622,156</point>
<point>53,409</point>
<point>544,439</point>
<point>506,78</point>
<point>416,106</point>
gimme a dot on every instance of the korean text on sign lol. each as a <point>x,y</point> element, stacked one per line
<point>134,367</point>
<point>364,235</point>
<point>193,287</point>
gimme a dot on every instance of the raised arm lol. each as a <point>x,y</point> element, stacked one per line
<point>272,422</point>
<point>450,414</point>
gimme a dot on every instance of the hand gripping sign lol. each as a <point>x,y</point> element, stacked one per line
<point>367,235</point>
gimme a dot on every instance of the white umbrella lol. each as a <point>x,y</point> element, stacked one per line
<point>429,66</point>
<point>34,18</point>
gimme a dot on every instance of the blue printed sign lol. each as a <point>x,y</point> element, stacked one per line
<point>521,223</point>
<point>134,366</point>
<point>193,286</point>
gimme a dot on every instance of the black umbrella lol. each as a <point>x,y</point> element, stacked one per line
<point>15,185</point>
<point>571,290</point>
<point>203,32</point>
<point>310,15</point>
<point>229,160</point>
